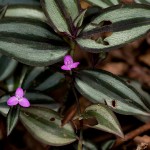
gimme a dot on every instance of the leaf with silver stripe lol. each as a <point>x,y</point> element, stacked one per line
<point>45,125</point>
<point>106,119</point>
<point>31,42</point>
<point>103,87</point>
<point>61,14</point>
<point>25,11</point>
<point>114,27</point>
<point>12,118</point>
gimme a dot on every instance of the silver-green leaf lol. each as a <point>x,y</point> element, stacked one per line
<point>45,125</point>
<point>122,23</point>
<point>61,14</point>
<point>31,42</point>
<point>12,118</point>
<point>103,87</point>
<point>106,119</point>
<point>25,11</point>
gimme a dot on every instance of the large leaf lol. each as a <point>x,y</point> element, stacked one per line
<point>122,23</point>
<point>106,119</point>
<point>103,87</point>
<point>61,14</point>
<point>103,3</point>
<point>30,42</point>
<point>12,118</point>
<point>45,125</point>
<point>25,11</point>
<point>7,66</point>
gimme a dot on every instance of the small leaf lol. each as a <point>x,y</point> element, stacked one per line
<point>107,120</point>
<point>79,20</point>
<point>87,145</point>
<point>31,43</point>
<point>116,26</point>
<point>7,67</point>
<point>100,86</point>
<point>45,125</point>
<point>61,14</point>
<point>103,3</point>
<point>107,145</point>
<point>25,11</point>
<point>12,118</point>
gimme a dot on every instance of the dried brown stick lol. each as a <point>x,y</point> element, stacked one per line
<point>131,135</point>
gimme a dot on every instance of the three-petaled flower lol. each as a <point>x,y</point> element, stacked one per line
<point>18,99</point>
<point>68,63</point>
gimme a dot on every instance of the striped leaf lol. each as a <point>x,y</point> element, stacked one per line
<point>7,67</point>
<point>45,125</point>
<point>121,24</point>
<point>106,119</point>
<point>61,14</point>
<point>103,3</point>
<point>103,87</point>
<point>42,79</point>
<point>29,2</point>
<point>12,118</point>
<point>31,42</point>
<point>25,11</point>
<point>146,96</point>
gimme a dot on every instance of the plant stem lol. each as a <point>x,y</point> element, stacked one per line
<point>80,143</point>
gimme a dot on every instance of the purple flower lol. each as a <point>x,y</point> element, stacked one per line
<point>68,63</point>
<point>18,99</point>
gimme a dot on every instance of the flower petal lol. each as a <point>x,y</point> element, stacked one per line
<point>75,65</point>
<point>24,102</point>
<point>68,60</point>
<point>64,67</point>
<point>12,101</point>
<point>19,92</point>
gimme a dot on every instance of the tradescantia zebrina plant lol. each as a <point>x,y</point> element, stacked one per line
<point>36,36</point>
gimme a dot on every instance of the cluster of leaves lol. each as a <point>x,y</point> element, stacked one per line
<point>40,34</point>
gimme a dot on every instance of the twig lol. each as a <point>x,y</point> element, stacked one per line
<point>131,135</point>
